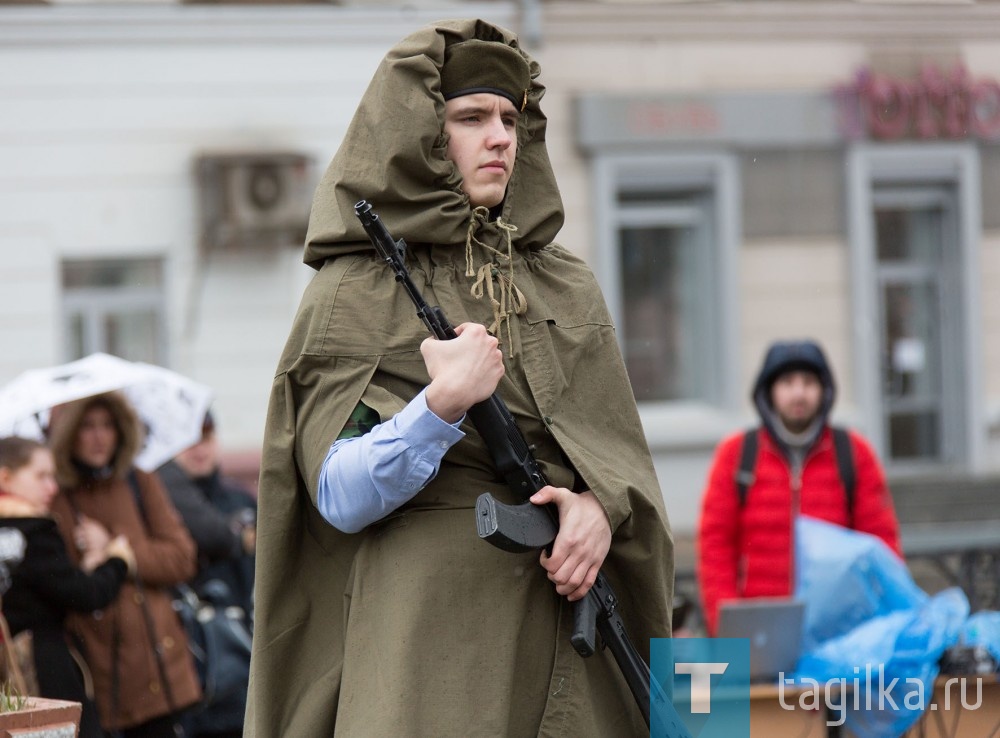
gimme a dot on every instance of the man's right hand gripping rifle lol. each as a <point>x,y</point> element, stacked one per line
<point>465,371</point>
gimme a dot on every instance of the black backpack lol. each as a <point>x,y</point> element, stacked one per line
<point>745,475</point>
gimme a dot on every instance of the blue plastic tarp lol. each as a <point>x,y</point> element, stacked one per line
<point>869,629</point>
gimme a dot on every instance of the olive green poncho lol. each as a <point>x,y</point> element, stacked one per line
<point>414,626</point>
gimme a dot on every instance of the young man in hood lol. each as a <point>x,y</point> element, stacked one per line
<point>379,609</point>
<point>745,537</point>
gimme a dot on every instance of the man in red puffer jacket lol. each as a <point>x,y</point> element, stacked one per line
<point>745,541</point>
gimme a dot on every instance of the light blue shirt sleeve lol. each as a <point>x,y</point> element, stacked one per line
<point>363,479</point>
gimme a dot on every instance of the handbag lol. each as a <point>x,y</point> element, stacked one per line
<point>219,638</point>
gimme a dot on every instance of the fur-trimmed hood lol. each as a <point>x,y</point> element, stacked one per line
<point>65,424</point>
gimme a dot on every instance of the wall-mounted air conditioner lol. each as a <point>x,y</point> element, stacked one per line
<point>254,198</point>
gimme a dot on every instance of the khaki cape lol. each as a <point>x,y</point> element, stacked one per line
<point>414,626</point>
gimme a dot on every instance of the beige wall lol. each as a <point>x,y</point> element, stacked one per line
<point>666,64</point>
<point>796,288</point>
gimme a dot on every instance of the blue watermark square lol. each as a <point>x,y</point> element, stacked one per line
<point>708,682</point>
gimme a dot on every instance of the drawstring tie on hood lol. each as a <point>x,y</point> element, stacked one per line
<point>510,299</point>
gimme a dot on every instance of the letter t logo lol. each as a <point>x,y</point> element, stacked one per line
<point>701,681</point>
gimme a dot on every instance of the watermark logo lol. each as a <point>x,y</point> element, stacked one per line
<point>708,682</point>
<point>872,689</point>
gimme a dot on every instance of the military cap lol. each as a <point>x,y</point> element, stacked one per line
<point>475,66</point>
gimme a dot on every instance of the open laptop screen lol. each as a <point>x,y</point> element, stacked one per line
<point>774,629</point>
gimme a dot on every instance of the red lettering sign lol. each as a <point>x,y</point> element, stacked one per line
<point>934,105</point>
<point>659,118</point>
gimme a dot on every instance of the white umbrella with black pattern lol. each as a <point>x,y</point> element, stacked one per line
<point>171,406</point>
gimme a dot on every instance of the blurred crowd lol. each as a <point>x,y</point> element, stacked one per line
<point>131,591</point>
<point>128,591</point>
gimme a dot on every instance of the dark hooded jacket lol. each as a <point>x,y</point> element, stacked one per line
<point>747,550</point>
<point>414,626</point>
<point>788,356</point>
<point>45,586</point>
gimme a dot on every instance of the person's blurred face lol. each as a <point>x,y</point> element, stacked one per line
<point>796,397</point>
<point>482,130</point>
<point>200,459</point>
<point>97,438</point>
<point>34,481</point>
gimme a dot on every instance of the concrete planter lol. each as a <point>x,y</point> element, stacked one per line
<point>42,718</point>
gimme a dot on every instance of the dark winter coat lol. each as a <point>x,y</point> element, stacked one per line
<point>46,586</point>
<point>214,509</point>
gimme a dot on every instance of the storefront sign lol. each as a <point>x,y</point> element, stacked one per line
<point>671,118</point>
<point>740,118</point>
<point>935,105</point>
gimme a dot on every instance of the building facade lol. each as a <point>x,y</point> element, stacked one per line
<point>734,172</point>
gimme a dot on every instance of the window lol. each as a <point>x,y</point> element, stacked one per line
<point>115,306</point>
<point>913,220</point>
<point>664,271</point>
<point>915,233</point>
<point>664,251</point>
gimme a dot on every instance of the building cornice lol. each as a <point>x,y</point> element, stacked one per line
<point>41,25</point>
<point>788,20</point>
<point>560,21</point>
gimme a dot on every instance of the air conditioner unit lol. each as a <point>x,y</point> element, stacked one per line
<point>254,198</point>
<point>267,195</point>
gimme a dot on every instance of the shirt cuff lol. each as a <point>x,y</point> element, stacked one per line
<point>418,425</point>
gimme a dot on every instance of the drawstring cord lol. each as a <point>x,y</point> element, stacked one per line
<point>504,296</point>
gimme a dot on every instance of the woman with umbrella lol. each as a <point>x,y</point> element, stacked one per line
<point>136,648</point>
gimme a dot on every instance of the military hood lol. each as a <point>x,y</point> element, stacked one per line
<point>417,189</point>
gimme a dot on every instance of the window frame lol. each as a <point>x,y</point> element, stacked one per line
<point>94,304</point>
<point>871,167</point>
<point>717,172</point>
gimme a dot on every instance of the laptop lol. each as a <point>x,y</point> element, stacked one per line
<point>773,626</point>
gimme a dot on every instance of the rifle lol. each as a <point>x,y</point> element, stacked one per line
<point>527,526</point>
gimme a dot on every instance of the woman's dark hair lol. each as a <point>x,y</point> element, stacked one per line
<point>16,452</point>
